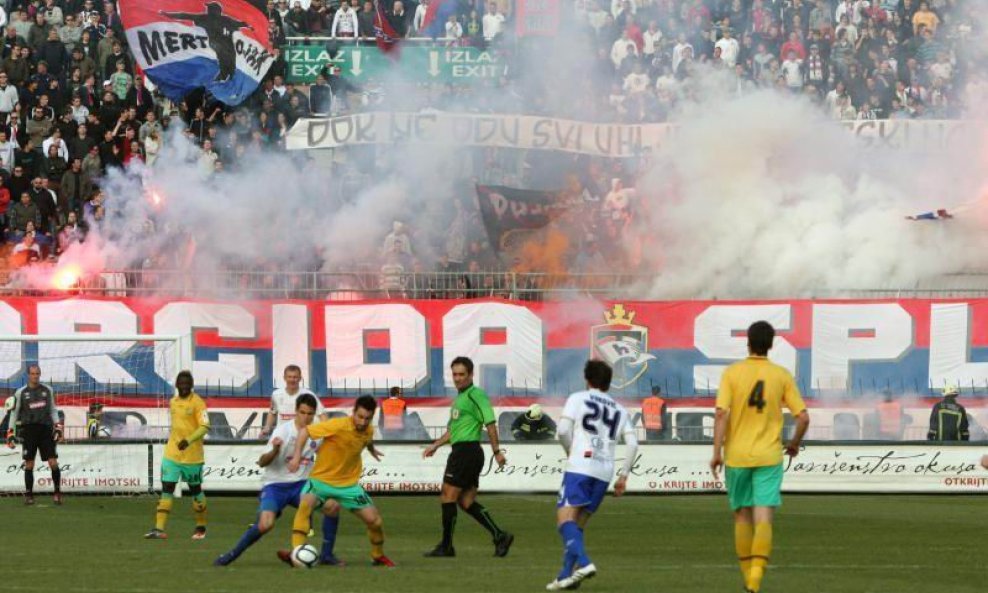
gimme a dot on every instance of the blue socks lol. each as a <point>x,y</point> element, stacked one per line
<point>329,527</point>
<point>246,540</point>
<point>574,553</point>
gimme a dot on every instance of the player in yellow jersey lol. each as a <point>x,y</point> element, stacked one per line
<point>335,476</point>
<point>748,439</point>
<point>183,458</point>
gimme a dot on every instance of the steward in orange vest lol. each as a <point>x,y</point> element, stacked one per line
<point>890,418</point>
<point>393,412</point>
<point>654,416</point>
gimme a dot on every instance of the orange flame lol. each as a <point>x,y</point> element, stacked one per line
<point>545,252</point>
<point>66,277</point>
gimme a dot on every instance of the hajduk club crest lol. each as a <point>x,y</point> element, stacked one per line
<point>622,345</point>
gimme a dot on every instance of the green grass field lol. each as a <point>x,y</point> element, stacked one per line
<point>839,544</point>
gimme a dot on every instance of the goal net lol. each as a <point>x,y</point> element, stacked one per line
<point>112,395</point>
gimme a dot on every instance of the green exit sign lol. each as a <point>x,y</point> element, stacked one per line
<point>461,65</point>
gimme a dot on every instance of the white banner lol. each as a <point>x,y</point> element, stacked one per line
<point>659,468</point>
<point>85,468</point>
<point>546,133</point>
<point>462,129</point>
<point>531,468</point>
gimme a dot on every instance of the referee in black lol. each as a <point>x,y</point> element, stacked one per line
<point>471,412</point>
<point>34,421</point>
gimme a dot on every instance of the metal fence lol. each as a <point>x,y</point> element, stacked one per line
<point>359,284</point>
<point>370,282</point>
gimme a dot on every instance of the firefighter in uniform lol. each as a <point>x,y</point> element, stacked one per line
<point>655,416</point>
<point>533,425</point>
<point>948,419</point>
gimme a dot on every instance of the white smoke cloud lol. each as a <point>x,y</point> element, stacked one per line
<point>273,207</point>
<point>770,200</point>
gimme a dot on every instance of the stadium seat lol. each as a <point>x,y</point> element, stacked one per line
<point>414,430</point>
<point>504,422</point>
<point>847,427</point>
<point>690,426</point>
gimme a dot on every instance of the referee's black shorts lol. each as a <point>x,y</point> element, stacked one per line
<point>464,464</point>
<point>38,437</point>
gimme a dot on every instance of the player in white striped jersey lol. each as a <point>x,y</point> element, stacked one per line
<point>283,401</point>
<point>589,431</point>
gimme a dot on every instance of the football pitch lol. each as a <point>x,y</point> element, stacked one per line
<point>839,544</point>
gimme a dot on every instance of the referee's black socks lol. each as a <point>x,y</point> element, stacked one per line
<point>478,512</point>
<point>449,523</point>
<point>29,481</point>
<point>56,478</point>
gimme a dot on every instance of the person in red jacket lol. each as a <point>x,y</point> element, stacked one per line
<point>793,45</point>
<point>4,204</point>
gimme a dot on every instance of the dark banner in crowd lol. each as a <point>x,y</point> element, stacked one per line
<point>508,212</point>
<point>546,133</point>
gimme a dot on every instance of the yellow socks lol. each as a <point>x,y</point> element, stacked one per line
<point>761,549</point>
<point>743,535</point>
<point>301,524</point>
<point>199,509</point>
<point>375,533</point>
<point>161,513</point>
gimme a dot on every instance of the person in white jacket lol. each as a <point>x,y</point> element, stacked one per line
<point>419,18</point>
<point>345,23</point>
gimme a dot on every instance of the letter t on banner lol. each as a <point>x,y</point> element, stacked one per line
<point>843,334</point>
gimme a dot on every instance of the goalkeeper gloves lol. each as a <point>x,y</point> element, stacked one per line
<point>58,431</point>
<point>11,438</point>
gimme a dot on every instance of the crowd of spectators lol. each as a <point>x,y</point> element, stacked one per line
<point>858,59</point>
<point>73,105</point>
<point>473,22</point>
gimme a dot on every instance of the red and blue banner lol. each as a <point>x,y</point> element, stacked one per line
<point>384,32</point>
<point>185,44</point>
<point>521,349</point>
<point>436,15</point>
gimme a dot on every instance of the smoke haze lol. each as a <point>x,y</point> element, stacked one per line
<point>758,196</point>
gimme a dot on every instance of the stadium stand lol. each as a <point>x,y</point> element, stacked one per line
<point>73,107</point>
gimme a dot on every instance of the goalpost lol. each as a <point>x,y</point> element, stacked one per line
<point>121,382</point>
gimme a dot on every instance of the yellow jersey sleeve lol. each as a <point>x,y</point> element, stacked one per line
<point>725,392</point>
<point>202,413</point>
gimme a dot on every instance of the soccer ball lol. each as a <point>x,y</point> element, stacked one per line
<point>305,556</point>
<point>103,432</point>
